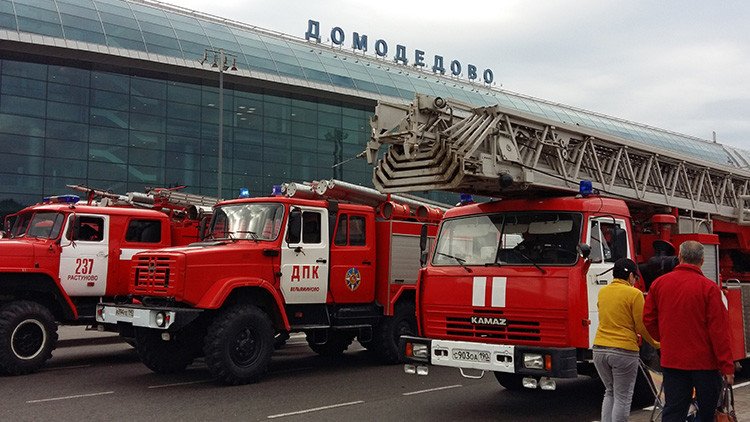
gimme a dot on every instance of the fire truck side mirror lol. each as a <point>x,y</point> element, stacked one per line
<point>203,227</point>
<point>294,226</point>
<point>75,228</point>
<point>584,250</point>
<point>423,245</point>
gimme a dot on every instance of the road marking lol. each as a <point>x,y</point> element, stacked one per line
<point>316,409</point>
<point>65,367</point>
<point>77,396</point>
<point>431,390</point>
<point>178,384</point>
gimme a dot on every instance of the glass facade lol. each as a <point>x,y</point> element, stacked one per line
<point>65,125</point>
<point>65,119</point>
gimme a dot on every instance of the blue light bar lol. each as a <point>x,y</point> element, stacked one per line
<point>61,199</point>
<point>244,193</point>
<point>276,191</point>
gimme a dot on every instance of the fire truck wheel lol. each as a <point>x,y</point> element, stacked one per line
<point>335,345</point>
<point>239,345</point>
<point>164,357</point>
<point>388,332</point>
<point>28,334</point>
<point>511,382</point>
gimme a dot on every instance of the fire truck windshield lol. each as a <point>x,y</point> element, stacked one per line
<point>44,225</point>
<point>256,221</point>
<point>519,238</point>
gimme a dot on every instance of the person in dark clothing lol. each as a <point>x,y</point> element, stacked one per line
<point>685,312</point>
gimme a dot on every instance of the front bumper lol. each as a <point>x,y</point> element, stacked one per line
<point>159,318</point>
<point>555,362</point>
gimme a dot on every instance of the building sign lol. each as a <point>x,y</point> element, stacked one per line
<point>360,42</point>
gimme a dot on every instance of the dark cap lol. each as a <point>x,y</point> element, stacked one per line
<point>624,267</point>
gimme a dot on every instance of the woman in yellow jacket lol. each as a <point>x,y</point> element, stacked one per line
<point>616,343</point>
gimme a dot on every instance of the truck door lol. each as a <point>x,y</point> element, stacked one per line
<point>607,237</point>
<point>353,260</point>
<point>83,261</point>
<point>304,256</point>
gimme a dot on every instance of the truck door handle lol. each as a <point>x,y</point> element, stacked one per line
<point>321,261</point>
<point>601,282</point>
<point>366,263</point>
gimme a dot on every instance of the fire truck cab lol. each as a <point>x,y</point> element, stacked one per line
<point>60,258</point>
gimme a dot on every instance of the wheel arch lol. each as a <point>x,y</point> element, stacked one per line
<point>261,297</point>
<point>40,288</point>
<point>405,295</point>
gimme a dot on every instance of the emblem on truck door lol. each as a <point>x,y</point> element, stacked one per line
<point>353,278</point>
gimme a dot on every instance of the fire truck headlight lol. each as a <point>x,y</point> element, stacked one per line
<point>533,361</point>
<point>420,351</point>
<point>160,319</point>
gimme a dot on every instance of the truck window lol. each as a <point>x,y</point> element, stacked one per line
<point>342,231</point>
<point>254,221</point>
<point>311,227</point>
<point>595,243</point>
<point>518,238</point>
<point>143,231</point>
<point>89,229</point>
<point>357,231</point>
<point>608,241</point>
<point>42,225</point>
<point>350,230</point>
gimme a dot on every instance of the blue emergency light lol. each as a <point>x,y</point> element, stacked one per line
<point>585,188</point>
<point>61,199</point>
<point>276,191</point>
<point>244,193</point>
<point>465,199</point>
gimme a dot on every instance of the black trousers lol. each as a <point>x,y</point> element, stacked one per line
<point>678,393</point>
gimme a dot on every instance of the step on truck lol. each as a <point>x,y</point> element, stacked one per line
<point>332,260</point>
<point>59,258</point>
<point>511,285</point>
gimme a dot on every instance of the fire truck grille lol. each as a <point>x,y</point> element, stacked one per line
<point>513,330</point>
<point>497,326</point>
<point>152,274</point>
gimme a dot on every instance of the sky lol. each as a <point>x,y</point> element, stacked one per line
<point>683,66</point>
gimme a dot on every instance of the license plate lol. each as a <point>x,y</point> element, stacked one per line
<point>124,312</point>
<point>471,356</point>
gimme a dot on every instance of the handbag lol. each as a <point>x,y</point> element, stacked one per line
<point>725,407</point>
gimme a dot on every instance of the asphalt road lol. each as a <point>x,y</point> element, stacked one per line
<point>101,379</point>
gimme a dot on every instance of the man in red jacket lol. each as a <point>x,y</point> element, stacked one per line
<point>685,312</point>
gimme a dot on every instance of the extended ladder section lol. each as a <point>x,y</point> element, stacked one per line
<point>438,144</point>
<point>194,206</point>
<point>388,206</point>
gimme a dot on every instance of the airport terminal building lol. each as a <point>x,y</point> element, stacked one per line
<point>112,94</point>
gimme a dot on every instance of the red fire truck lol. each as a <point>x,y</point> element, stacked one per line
<point>511,285</point>
<point>58,259</point>
<point>330,259</point>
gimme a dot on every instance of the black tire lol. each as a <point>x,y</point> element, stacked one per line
<point>239,345</point>
<point>335,345</point>
<point>28,334</point>
<point>511,382</point>
<point>387,334</point>
<point>164,357</point>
